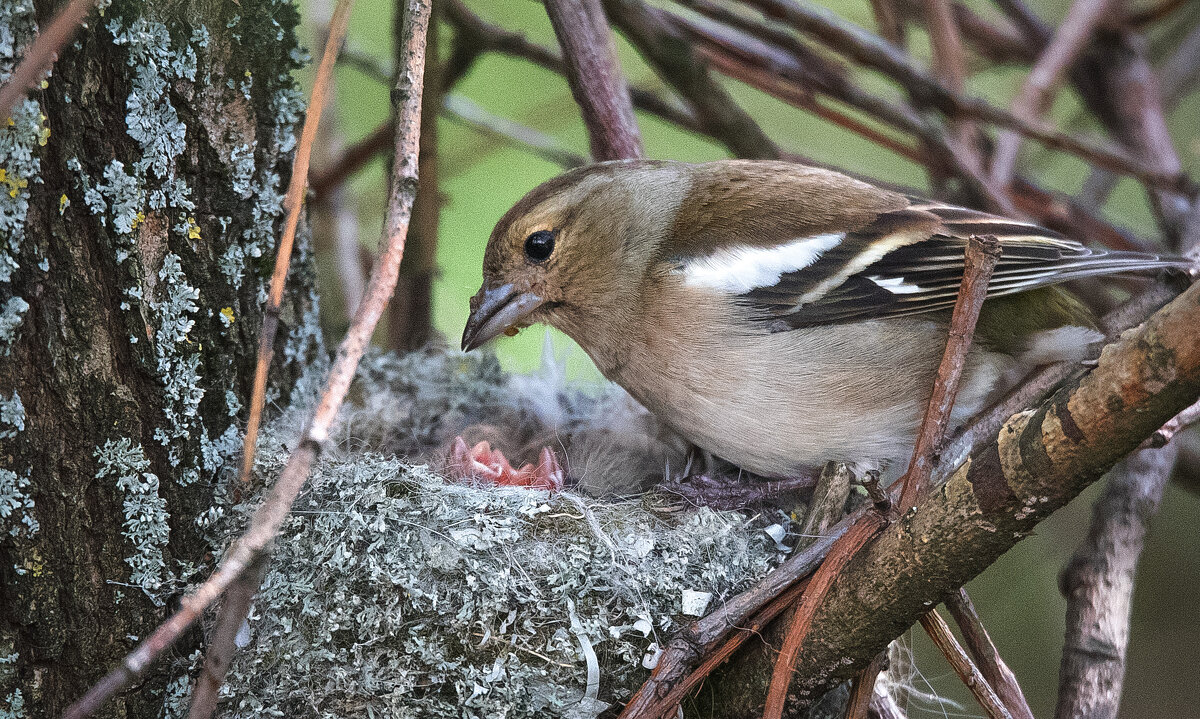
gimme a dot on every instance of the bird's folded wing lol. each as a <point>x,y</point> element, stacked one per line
<point>906,262</point>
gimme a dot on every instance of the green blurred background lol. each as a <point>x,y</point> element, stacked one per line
<point>481,177</point>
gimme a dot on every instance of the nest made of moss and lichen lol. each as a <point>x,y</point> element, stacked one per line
<point>395,592</point>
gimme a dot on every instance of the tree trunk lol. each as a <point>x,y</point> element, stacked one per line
<point>141,204</point>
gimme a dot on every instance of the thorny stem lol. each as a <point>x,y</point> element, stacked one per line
<point>272,513</point>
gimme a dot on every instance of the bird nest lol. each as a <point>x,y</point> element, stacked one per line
<point>394,591</point>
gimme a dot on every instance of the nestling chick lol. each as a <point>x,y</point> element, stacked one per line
<point>777,315</point>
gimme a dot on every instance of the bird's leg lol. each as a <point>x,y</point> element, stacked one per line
<point>723,490</point>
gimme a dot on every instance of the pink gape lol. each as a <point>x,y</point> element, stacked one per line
<point>481,462</point>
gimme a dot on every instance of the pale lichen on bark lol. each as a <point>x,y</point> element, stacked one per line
<point>139,203</point>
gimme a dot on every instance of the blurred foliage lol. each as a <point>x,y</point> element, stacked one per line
<point>481,178</point>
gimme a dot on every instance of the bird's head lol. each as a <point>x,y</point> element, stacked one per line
<point>570,251</point>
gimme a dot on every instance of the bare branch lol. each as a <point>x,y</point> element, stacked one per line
<point>294,202</point>
<point>870,51</point>
<point>862,688</point>
<point>1035,462</point>
<point>986,656</point>
<point>677,62</point>
<point>464,110</point>
<point>1038,90</point>
<point>1167,432</point>
<point>595,78</point>
<point>840,554</point>
<point>943,638</point>
<point>982,254</point>
<point>1098,584</point>
<point>671,681</point>
<point>271,514</point>
<point>41,53</point>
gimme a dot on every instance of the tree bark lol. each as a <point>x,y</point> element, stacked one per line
<point>141,208</point>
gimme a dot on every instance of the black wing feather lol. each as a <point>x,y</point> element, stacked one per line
<point>923,273</point>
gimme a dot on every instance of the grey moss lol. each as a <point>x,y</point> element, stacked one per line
<point>395,592</point>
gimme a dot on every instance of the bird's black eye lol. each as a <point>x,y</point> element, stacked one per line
<point>539,245</point>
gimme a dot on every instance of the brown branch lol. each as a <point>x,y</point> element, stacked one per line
<point>1098,584</point>
<point>950,64</point>
<point>272,513</point>
<point>294,202</point>
<point>410,311</point>
<point>871,51</point>
<point>943,638</point>
<point>243,588</point>
<point>986,656</point>
<point>222,644</point>
<point>1167,432</point>
<point>890,21</point>
<point>982,253</point>
<point>840,554</point>
<point>462,109</point>
<point>1035,462</point>
<point>826,508</point>
<point>862,688</point>
<point>41,54</point>
<point>1037,92</point>
<point>674,58</point>
<point>595,78</point>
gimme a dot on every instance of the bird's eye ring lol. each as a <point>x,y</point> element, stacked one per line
<point>540,245</point>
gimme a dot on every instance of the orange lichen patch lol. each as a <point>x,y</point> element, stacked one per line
<point>481,462</point>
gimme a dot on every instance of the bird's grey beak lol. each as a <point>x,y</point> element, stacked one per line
<point>494,311</point>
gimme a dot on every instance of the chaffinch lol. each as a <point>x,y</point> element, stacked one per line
<point>777,315</point>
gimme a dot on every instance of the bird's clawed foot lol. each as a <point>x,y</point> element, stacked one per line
<point>737,491</point>
<point>484,464</point>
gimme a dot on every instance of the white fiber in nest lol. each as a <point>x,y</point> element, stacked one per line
<point>395,592</point>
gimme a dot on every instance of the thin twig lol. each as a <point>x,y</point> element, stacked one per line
<point>241,592</point>
<point>674,58</point>
<point>1099,582</point>
<point>869,525</point>
<point>463,109</point>
<point>983,651</point>
<point>950,64</point>
<point>1037,91</point>
<point>862,688</point>
<point>294,202</point>
<point>890,21</point>
<point>410,311</point>
<point>595,78</point>
<point>1167,432</point>
<point>235,607</point>
<point>41,53</point>
<point>982,253</point>
<point>940,633</point>
<point>870,51</point>
<point>826,508</point>
<point>272,513</point>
